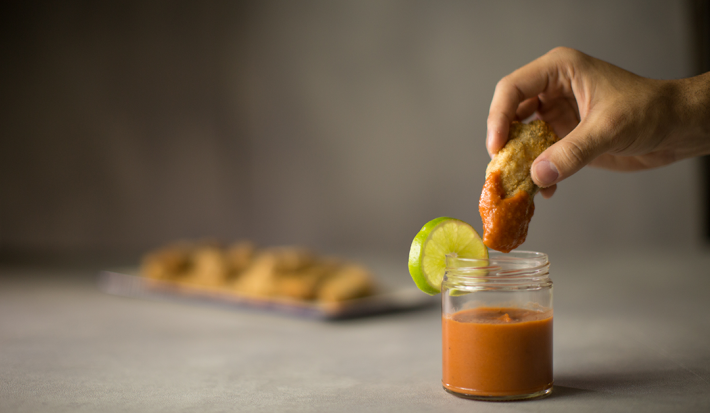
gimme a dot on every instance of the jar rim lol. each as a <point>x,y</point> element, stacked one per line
<point>515,264</point>
<point>520,258</point>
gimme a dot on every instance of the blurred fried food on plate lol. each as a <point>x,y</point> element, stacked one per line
<point>241,268</point>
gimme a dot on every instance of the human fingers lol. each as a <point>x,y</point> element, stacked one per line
<point>570,154</point>
<point>548,192</point>
<point>519,86</point>
<point>562,114</point>
<point>527,108</point>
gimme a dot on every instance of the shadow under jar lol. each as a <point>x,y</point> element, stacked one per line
<point>497,326</point>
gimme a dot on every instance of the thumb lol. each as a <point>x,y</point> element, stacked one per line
<point>569,154</point>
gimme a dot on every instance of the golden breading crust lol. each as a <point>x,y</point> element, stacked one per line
<point>525,143</point>
<point>506,203</point>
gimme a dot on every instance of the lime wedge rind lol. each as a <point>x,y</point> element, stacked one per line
<point>437,238</point>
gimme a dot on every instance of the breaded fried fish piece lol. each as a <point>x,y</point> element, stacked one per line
<point>506,203</point>
<point>349,282</point>
<point>169,262</point>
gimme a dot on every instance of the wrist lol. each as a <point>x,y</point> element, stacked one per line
<point>692,112</point>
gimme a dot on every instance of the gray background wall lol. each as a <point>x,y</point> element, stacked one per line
<point>340,125</point>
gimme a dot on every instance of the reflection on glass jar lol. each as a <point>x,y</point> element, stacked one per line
<point>497,326</point>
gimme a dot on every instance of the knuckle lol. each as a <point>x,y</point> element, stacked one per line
<point>574,154</point>
<point>503,83</point>
<point>565,53</point>
<point>569,56</point>
<point>560,50</point>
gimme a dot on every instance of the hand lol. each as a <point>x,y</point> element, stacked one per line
<point>605,116</point>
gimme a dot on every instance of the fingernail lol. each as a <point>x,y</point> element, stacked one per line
<point>545,173</point>
<point>489,139</point>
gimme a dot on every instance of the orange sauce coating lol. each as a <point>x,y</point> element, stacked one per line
<point>497,351</point>
<point>505,220</point>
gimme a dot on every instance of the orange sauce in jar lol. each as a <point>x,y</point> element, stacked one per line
<point>505,220</point>
<point>497,351</point>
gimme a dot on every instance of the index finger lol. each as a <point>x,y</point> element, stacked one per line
<point>524,83</point>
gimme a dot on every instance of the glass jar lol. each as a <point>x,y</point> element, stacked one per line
<point>497,326</point>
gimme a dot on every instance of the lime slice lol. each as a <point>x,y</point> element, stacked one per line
<point>438,237</point>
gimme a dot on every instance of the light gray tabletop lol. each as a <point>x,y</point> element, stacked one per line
<point>632,334</point>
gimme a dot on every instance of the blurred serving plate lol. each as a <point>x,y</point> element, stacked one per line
<point>127,283</point>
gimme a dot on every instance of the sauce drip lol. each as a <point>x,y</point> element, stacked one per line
<point>505,220</point>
